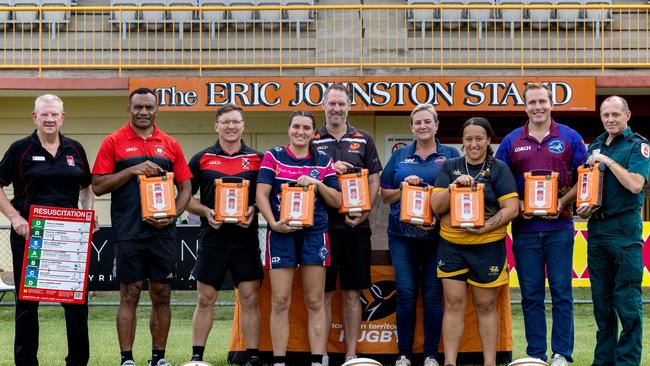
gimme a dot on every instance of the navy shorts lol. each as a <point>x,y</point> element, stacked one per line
<point>293,249</point>
<point>481,265</point>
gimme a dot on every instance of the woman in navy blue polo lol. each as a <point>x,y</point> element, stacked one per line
<point>413,248</point>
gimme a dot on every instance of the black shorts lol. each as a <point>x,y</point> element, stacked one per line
<point>242,259</point>
<point>152,258</point>
<point>350,250</point>
<point>481,265</point>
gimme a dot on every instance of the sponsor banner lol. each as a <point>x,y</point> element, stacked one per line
<point>580,270</point>
<point>102,278</point>
<point>100,275</point>
<point>378,332</point>
<point>368,93</point>
<point>55,265</point>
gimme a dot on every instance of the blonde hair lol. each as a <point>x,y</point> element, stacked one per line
<point>424,107</point>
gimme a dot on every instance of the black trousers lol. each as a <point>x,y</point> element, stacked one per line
<point>26,336</point>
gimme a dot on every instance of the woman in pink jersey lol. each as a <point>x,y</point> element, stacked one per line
<point>289,246</point>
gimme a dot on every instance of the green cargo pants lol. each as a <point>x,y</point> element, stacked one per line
<point>616,270</point>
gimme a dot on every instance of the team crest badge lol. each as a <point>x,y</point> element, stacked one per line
<point>314,173</point>
<point>245,163</point>
<point>159,150</point>
<point>645,150</point>
<point>70,159</point>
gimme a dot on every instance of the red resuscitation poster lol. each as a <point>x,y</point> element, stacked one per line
<point>57,255</point>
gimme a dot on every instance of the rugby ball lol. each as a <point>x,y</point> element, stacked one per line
<point>196,363</point>
<point>528,362</point>
<point>361,362</point>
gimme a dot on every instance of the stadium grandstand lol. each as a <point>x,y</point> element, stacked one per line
<point>467,57</point>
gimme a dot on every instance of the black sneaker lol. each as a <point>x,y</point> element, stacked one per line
<point>254,361</point>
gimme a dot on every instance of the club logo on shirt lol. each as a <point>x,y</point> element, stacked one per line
<point>38,158</point>
<point>440,160</point>
<point>159,150</point>
<point>645,150</point>
<point>457,172</point>
<point>354,146</point>
<point>245,164</point>
<point>556,146</point>
<point>70,160</point>
<point>494,270</point>
<point>314,173</point>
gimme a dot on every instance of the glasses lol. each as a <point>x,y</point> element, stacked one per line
<point>234,122</point>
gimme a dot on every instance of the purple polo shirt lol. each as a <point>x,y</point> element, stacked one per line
<point>562,151</point>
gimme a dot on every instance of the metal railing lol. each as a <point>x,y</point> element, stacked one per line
<point>198,39</point>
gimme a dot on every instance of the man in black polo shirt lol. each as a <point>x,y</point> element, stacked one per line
<point>349,235</point>
<point>145,249</point>
<point>46,169</point>
<point>226,247</point>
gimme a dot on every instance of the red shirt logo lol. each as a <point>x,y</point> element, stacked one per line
<point>70,160</point>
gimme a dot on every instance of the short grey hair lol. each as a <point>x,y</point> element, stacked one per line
<point>621,100</point>
<point>424,107</point>
<point>48,98</point>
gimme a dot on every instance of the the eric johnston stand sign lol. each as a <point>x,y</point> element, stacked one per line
<point>55,266</point>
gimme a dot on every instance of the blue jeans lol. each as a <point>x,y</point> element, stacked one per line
<point>414,262</point>
<point>553,251</point>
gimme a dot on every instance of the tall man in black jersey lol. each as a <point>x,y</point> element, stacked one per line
<point>349,235</point>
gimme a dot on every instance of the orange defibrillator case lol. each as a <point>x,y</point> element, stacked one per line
<point>297,205</point>
<point>354,191</point>
<point>415,206</point>
<point>467,206</point>
<point>540,193</point>
<point>157,196</point>
<point>590,185</point>
<point>231,200</point>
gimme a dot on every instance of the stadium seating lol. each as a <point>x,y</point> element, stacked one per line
<point>183,19</point>
<point>270,18</point>
<point>154,19</point>
<point>26,19</point>
<point>56,19</point>
<point>567,18</point>
<point>5,16</point>
<point>539,18</point>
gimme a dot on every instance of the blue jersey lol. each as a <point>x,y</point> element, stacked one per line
<point>405,162</point>
<point>280,165</point>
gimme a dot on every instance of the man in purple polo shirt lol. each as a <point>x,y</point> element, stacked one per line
<point>541,243</point>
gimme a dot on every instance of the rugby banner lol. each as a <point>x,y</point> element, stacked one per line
<point>495,94</point>
<point>378,333</point>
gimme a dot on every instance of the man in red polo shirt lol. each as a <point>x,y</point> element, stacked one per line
<point>146,249</point>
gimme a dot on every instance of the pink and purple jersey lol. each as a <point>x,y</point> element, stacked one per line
<point>562,150</point>
<point>280,165</point>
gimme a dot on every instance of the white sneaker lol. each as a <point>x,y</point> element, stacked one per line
<point>161,362</point>
<point>403,361</point>
<point>559,360</point>
<point>316,364</point>
<point>128,363</point>
<point>348,358</point>
<point>326,360</point>
<point>430,361</point>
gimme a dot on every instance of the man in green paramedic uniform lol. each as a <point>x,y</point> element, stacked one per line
<point>614,240</point>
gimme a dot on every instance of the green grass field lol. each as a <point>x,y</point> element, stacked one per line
<point>104,347</point>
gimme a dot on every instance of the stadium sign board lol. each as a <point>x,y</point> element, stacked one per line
<point>368,93</point>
